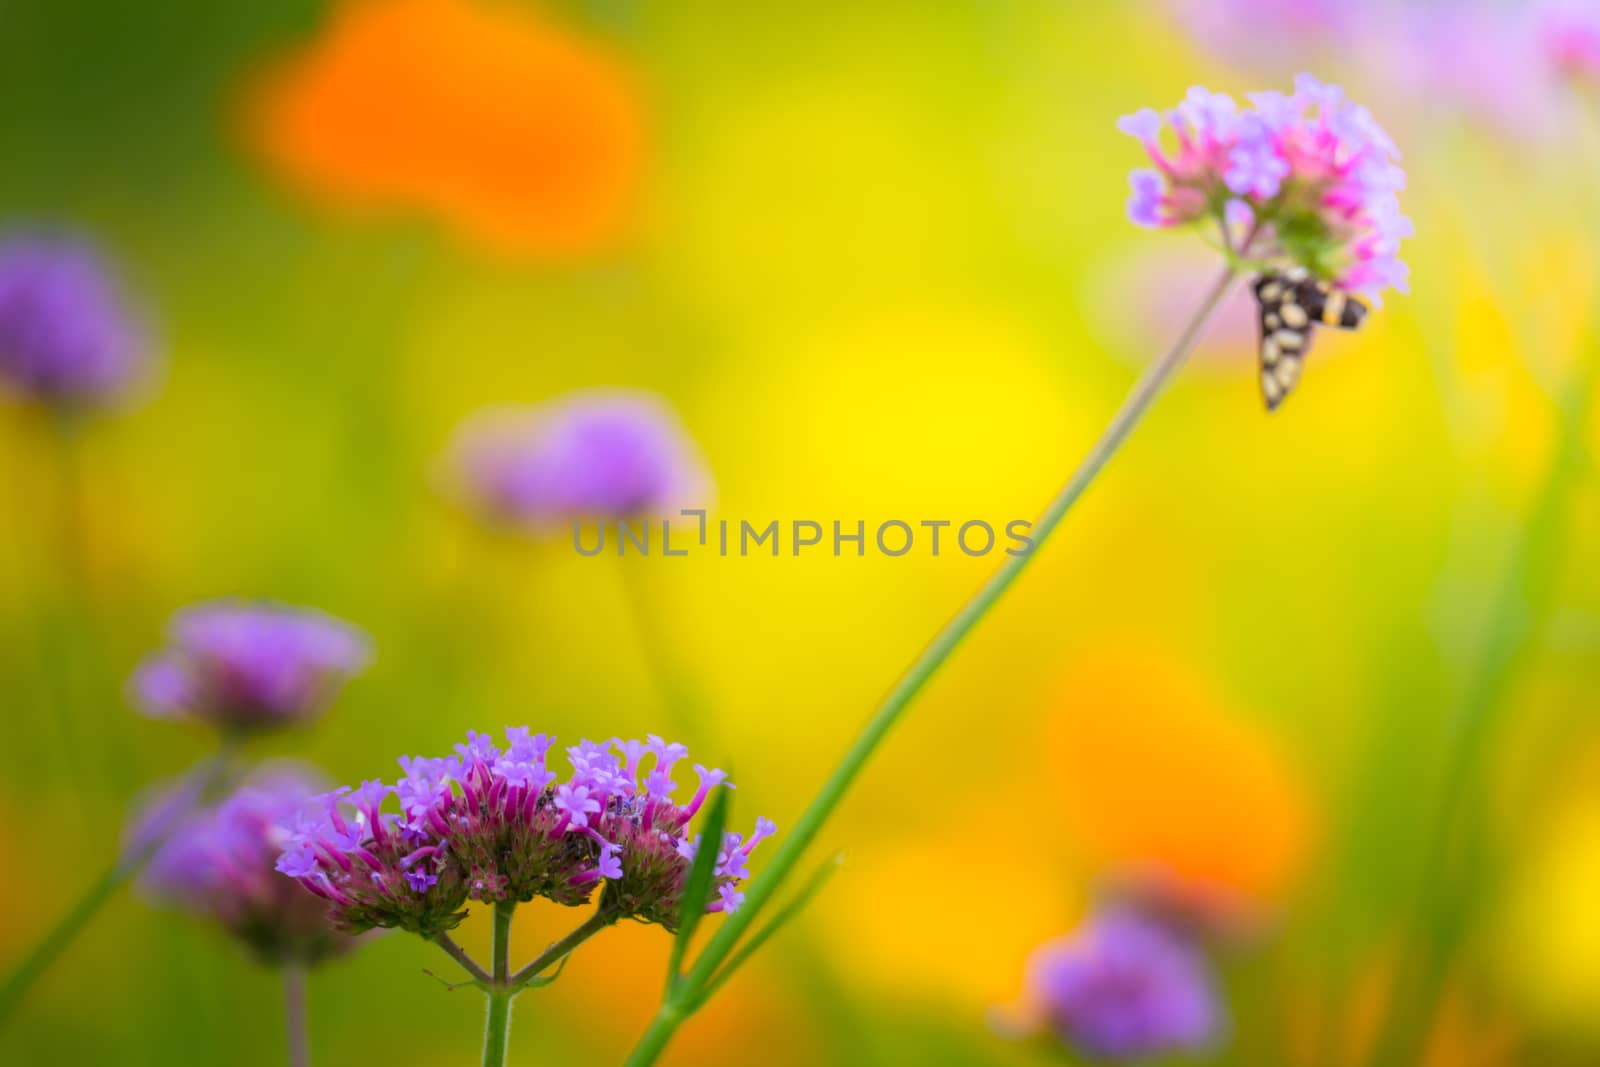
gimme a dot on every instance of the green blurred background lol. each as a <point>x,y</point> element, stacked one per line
<point>875,255</point>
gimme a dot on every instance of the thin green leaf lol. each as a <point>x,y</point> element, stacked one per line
<point>540,981</point>
<point>811,888</point>
<point>697,887</point>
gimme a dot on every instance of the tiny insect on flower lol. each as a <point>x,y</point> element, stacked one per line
<point>1303,190</point>
<point>1311,178</point>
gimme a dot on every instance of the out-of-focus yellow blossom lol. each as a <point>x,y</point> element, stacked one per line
<point>1551,938</point>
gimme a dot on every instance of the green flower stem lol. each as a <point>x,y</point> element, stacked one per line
<point>1444,901</point>
<point>497,1028</point>
<point>60,936</point>
<point>480,976</point>
<point>602,918</point>
<point>500,986</point>
<point>678,701</point>
<point>294,1015</point>
<point>681,1001</point>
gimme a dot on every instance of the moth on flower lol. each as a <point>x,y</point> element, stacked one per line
<point>1304,192</point>
<point>1290,303</point>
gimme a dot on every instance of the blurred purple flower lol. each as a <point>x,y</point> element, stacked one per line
<point>596,454</point>
<point>1570,40</point>
<point>243,666</point>
<point>1271,36</point>
<point>219,862</point>
<point>1476,57</point>
<point>68,337</point>
<point>491,825</point>
<point>1124,988</point>
<point>1308,179</point>
<point>160,811</point>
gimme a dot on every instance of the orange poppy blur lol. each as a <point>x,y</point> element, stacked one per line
<point>1153,770</point>
<point>520,135</point>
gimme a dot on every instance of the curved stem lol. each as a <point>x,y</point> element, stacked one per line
<point>910,684</point>
<point>57,939</point>
<point>654,1040</point>
<point>601,919</point>
<point>38,960</point>
<point>294,1015</point>
<point>459,954</point>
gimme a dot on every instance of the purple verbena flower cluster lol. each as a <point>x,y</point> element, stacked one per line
<point>1308,178</point>
<point>495,825</point>
<point>67,335</point>
<point>249,667</point>
<point>219,862</point>
<point>1124,987</point>
<point>597,454</point>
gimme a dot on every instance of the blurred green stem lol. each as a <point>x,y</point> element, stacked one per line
<point>687,996</point>
<point>294,1015</point>
<point>497,1028</point>
<point>1520,602</point>
<point>206,778</point>
<point>677,702</point>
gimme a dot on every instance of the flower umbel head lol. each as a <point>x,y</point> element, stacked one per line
<point>219,862</point>
<point>67,334</point>
<point>1123,988</point>
<point>248,667</point>
<point>1306,179</point>
<point>495,825</point>
<point>599,454</point>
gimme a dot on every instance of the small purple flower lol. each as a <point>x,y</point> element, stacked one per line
<point>420,879</point>
<point>598,454</point>
<point>67,334</point>
<point>488,829</point>
<point>609,864</point>
<point>728,898</point>
<point>1146,200</point>
<point>574,802</point>
<point>249,667</point>
<point>219,862</point>
<point>1124,988</point>
<point>1309,179</point>
<point>709,780</point>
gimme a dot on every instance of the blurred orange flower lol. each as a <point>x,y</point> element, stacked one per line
<point>519,134</point>
<point>1153,770</point>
